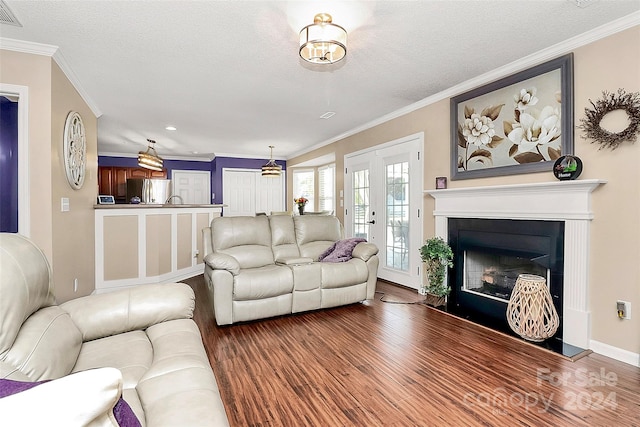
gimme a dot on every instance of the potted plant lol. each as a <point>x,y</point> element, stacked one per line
<point>301,201</point>
<point>437,256</point>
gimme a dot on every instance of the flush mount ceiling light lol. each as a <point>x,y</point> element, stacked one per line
<point>150,159</point>
<point>323,42</point>
<point>271,168</point>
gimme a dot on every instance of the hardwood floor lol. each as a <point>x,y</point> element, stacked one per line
<point>383,364</point>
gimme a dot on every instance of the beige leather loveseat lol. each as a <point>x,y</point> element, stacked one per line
<point>139,343</point>
<point>258,267</point>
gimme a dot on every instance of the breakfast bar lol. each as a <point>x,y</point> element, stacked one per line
<point>143,244</point>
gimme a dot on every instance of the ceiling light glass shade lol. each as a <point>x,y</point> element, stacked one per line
<point>271,169</point>
<point>323,42</point>
<point>149,159</point>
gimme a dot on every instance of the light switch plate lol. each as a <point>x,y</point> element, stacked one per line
<point>64,204</point>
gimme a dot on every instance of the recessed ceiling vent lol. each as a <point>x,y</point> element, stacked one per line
<point>6,16</point>
<point>583,3</point>
<point>328,115</point>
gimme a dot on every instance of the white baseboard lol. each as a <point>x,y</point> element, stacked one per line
<point>615,353</point>
<point>174,276</point>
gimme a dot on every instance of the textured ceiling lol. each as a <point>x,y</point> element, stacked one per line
<point>228,76</point>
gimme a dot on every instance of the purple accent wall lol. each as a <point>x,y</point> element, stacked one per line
<point>220,163</point>
<point>8,166</point>
<point>215,167</point>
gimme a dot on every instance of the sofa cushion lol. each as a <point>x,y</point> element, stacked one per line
<point>180,377</point>
<point>47,345</point>
<point>131,353</point>
<point>283,237</point>
<point>338,275</point>
<point>315,234</point>
<point>264,282</point>
<point>247,239</point>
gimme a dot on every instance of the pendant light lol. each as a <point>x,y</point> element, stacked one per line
<point>150,159</point>
<point>271,169</point>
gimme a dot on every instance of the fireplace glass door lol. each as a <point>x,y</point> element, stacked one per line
<point>490,254</point>
<point>494,276</point>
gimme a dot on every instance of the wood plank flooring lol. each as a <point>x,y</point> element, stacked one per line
<point>383,364</point>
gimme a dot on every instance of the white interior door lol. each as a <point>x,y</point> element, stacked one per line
<point>383,200</point>
<point>193,187</point>
<point>246,191</point>
<point>238,192</point>
<point>270,193</point>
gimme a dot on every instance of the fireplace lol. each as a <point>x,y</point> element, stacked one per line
<point>489,254</point>
<point>566,202</point>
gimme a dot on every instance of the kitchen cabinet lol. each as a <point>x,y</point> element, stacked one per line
<point>112,180</point>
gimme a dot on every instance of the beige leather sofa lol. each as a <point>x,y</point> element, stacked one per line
<point>258,267</point>
<point>140,343</point>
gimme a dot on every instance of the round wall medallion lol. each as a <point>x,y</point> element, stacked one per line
<point>75,150</point>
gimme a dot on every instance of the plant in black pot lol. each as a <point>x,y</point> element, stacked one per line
<point>437,256</point>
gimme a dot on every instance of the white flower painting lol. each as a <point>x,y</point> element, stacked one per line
<point>512,125</point>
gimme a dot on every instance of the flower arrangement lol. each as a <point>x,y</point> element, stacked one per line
<point>301,201</point>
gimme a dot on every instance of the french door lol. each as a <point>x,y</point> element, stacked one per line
<point>383,203</point>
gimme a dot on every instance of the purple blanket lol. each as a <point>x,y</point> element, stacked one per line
<point>340,251</point>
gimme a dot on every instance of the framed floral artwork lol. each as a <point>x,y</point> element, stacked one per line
<point>519,124</point>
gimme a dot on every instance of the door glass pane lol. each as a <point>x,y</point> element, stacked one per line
<point>361,204</point>
<point>397,208</point>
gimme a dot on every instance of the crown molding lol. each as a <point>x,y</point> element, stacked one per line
<point>27,47</point>
<point>529,61</point>
<point>53,52</point>
<point>248,156</point>
<point>133,156</point>
<point>75,81</point>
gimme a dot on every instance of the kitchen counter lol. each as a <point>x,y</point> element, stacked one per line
<point>153,206</point>
<point>141,244</point>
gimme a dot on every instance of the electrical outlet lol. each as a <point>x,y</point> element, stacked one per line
<point>624,309</point>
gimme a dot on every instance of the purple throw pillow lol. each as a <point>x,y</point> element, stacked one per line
<point>122,411</point>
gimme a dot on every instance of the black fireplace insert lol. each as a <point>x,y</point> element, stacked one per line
<point>489,254</point>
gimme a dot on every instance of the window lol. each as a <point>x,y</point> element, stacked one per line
<point>326,188</point>
<point>303,183</point>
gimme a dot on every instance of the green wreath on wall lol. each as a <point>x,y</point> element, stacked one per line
<point>629,102</point>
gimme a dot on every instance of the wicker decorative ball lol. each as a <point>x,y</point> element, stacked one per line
<point>530,312</point>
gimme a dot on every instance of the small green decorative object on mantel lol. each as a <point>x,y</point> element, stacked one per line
<point>437,256</point>
<point>627,102</point>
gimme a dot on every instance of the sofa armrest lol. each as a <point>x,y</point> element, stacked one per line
<point>207,243</point>
<point>364,251</point>
<point>112,313</point>
<point>82,399</point>
<point>219,261</point>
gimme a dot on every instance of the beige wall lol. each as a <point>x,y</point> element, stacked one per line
<point>67,238</point>
<point>34,71</point>
<point>73,231</point>
<point>614,272</point>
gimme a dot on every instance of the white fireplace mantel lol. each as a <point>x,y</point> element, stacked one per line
<point>559,200</point>
<point>568,201</point>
